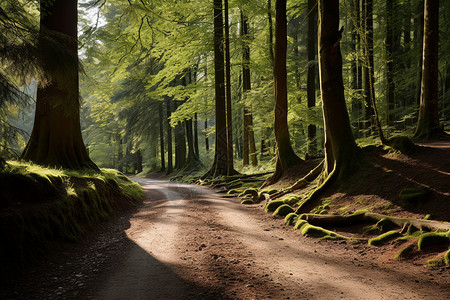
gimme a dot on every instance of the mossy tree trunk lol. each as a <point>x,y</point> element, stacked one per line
<point>341,151</point>
<point>428,122</point>
<point>56,137</point>
<point>286,157</point>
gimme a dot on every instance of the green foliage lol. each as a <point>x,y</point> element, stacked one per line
<point>384,238</point>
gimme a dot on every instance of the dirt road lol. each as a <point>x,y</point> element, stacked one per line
<point>187,242</point>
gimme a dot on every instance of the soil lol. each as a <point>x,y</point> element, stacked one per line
<point>188,242</point>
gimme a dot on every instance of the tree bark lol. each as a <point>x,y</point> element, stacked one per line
<point>369,78</point>
<point>161,136</point>
<point>230,166</point>
<point>56,137</point>
<point>428,123</point>
<point>390,93</point>
<point>311,79</point>
<point>220,164</point>
<point>341,151</point>
<point>169,136</point>
<point>248,134</point>
<point>286,157</point>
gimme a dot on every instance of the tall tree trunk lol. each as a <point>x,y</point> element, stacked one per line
<point>230,166</point>
<point>428,123</point>
<point>270,37</point>
<point>369,78</point>
<point>161,136</point>
<point>206,136</point>
<point>56,137</point>
<point>248,135</point>
<point>220,164</point>
<point>286,157</point>
<point>197,153</point>
<point>390,93</point>
<point>311,80</point>
<point>169,136</point>
<point>192,160</point>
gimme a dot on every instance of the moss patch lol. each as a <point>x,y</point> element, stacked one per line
<point>283,210</point>
<point>291,219</point>
<point>39,205</point>
<point>433,238</point>
<point>413,197</point>
<point>384,238</point>
<point>319,232</point>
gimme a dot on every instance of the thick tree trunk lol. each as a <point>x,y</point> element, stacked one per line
<point>341,152</point>
<point>341,155</point>
<point>428,123</point>
<point>169,136</point>
<point>161,136</point>
<point>270,37</point>
<point>56,137</point>
<point>311,79</point>
<point>192,160</point>
<point>206,136</point>
<point>180,146</point>
<point>220,164</point>
<point>286,157</point>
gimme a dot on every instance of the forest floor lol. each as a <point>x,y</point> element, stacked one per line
<point>188,242</point>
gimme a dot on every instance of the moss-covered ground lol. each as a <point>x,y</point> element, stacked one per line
<point>40,205</point>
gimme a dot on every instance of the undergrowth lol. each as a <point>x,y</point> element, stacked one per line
<point>39,205</point>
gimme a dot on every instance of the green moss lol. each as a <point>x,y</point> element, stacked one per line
<point>291,219</point>
<point>412,235</point>
<point>404,252</point>
<point>436,262</point>
<point>300,224</point>
<point>414,197</point>
<point>247,201</point>
<point>269,191</point>
<point>234,191</point>
<point>384,238</point>
<point>447,258</point>
<point>319,232</point>
<point>383,225</point>
<point>273,205</point>
<point>251,191</point>
<point>401,144</point>
<point>283,210</point>
<point>433,238</point>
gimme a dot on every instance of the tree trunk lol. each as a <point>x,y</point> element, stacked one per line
<point>270,37</point>
<point>311,79</point>
<point>169,137</point>
<point>286,157</point>
<point>369,92</point>
<point>220,164</point>
<point>56,137</point>
<point>390,93</point>
<point>197,153</point>
<point>192,159</point>
<point>206,136</point>
<point>161,136</point>
<point>180,146</point>
<point>428,123</point>
<point>248,135</point>
<point>230,166</point>
<point>341,151</point>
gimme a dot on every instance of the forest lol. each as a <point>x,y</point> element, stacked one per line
<point>326,113</point>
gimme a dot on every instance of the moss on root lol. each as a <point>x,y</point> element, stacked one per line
<point>319,232</point>
<point>384,238</point>
<point>291,219</point>
<point>247,201</point>
<point>404,252</point>
<point>433,238</point>
<point>447,258</point>
<point>283,210</point>
<point>300,224</point>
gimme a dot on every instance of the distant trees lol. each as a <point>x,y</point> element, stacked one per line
<point>56,137</point>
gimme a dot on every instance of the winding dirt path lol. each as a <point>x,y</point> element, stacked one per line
<point>188,242</point>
